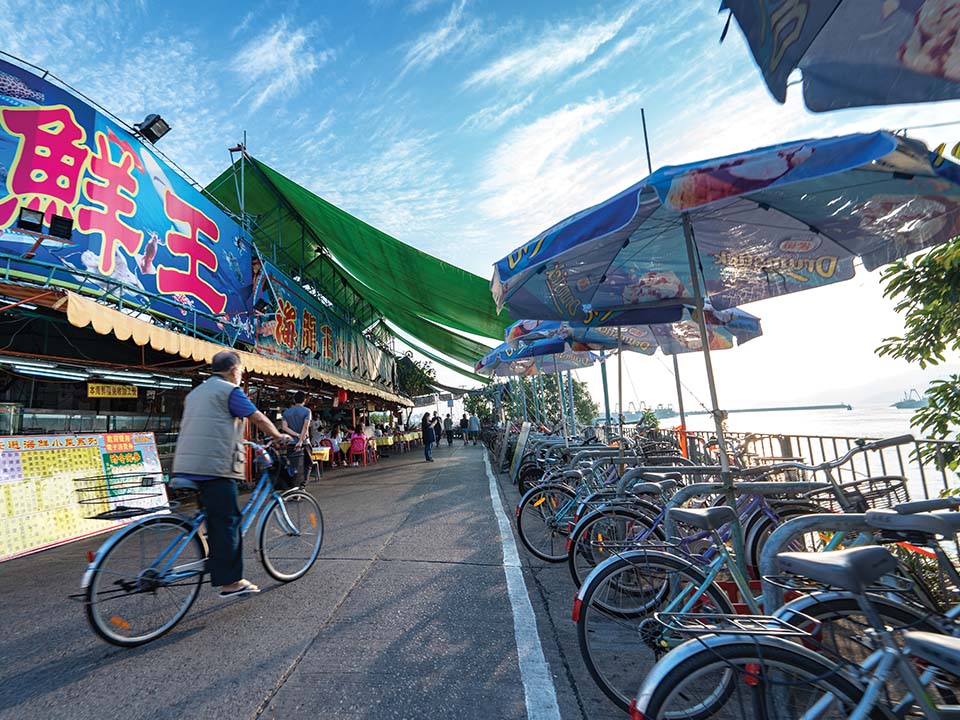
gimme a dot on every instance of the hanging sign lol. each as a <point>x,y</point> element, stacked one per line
<point>109,390</point>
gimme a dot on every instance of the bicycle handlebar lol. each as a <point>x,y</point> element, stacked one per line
<point>829,464</point>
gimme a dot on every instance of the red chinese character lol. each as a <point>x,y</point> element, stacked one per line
<point>50,160</point>
<point>326,342</point>
<point>286,330</point>
<point>308,335</point>
<point>14,445</point>
<point>112,190</point>
<point>70,442</point>
<point>29,444</point>
<point>172,281</point>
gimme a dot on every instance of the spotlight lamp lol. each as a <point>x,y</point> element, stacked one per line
<point>61,227</point>
<point>152,128</point>
<point>31,220</point>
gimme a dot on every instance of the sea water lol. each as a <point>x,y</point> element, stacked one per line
<point>868,421</point>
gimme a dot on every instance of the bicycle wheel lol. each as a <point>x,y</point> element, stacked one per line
<point>289,544</point>
<point>748,678</point>
<point>613,525</point>
<point>145,581</point>
<point>843,629</point>
<point>619,638</point>
<point>542,517</point>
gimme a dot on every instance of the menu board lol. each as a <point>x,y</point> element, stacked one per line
<point>51,486</point>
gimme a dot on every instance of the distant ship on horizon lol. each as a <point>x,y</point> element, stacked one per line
<point>912,400</point>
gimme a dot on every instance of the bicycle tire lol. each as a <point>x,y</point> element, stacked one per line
<point>620,644</point>
<point>741,666</point>
<point>612,524</point>
<point>540,530</point>
<point>286,552</point>
<point>122,578</point>
<point>842,630</point>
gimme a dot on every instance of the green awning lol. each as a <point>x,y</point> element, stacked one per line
<point>393,277</point>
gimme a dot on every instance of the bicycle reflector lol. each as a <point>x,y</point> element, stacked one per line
<point>577,605</point>
<point>635,714</point>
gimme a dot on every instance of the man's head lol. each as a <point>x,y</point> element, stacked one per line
<point>227,365</point>
<point>299,397</point>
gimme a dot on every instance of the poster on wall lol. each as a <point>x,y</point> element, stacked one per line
<point>111,217</point>
<point>51,487</point>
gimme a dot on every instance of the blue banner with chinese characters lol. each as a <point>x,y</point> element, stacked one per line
<point>140,231</point>
<point>294,325</point>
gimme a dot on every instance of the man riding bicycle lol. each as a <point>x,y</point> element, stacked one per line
<point>210,452</point>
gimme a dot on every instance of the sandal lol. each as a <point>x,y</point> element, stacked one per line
<point>247,588</point>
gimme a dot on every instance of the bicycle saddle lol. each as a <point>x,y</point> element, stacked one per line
<point>181,483</point>
<point>926,523</point>
<point>712,518</point>
<point>852,569</point>
<point>654,486</point>
<point>938,650</point>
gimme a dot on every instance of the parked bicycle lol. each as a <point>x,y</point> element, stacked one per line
<point>144,579</point>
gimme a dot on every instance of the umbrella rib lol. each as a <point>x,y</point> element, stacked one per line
<point>667,225</point>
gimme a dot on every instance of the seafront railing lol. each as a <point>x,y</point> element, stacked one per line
<point>926,478</point>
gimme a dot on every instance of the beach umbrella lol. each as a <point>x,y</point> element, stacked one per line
<point>854,53</point>
<point>546,355</point>
<point>725,329</point>
<point>750,226</point>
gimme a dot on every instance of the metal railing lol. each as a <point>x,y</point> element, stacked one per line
<point>925,477</point>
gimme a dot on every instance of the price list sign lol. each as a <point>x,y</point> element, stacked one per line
<point>43,480</point>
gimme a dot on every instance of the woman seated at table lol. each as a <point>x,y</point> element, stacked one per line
<point>332,439</point>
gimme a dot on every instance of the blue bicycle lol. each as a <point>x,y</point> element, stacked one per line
<point>143,580</point>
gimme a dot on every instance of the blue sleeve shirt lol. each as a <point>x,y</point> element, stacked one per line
<point>240,405</point>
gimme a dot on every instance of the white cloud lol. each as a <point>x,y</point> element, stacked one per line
<point>276,64</point>
<point>640,36</point>
<point>554,51</point>
<point>453,30</point>
<point>547,169</point>
<point>495,116</point>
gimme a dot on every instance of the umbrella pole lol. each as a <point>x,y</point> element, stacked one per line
<point>736,531</point>
<point>573,417</point>
<point>563,414</point>
<point>606,395</point>
<point>523,398</point>
<point>676,376</point>
<point>620,391</point>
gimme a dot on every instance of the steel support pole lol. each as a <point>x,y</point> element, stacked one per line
<point>573,416</point>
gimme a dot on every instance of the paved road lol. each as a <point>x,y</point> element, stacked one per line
<point>405,615</point>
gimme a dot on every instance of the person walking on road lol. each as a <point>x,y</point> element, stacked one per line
<point>295,422</point>
<point>464,423</point>
<point>473,425</point>
<point>210,452</point>
<point>426,432</point>
<point>448,429</point>
<point>437,429</point>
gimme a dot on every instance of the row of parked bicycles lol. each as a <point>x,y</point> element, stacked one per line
<point>768,591</point>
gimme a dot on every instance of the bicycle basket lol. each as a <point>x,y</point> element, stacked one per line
<point>123,495</point>
<point>875,492</point>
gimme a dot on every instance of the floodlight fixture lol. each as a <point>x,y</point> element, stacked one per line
<point>61,227</point>
<point>31,220</point>
<point>152,128</point>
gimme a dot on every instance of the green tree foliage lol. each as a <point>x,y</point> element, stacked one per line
<point>479,404</point>
<point>927,293</point>
<point>548,400</point>
<point>414,376</point>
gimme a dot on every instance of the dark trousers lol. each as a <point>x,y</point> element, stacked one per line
<point>428,445</point>
<point>449,437</point>
<point>219,498</point>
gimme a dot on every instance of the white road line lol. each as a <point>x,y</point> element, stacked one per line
<point>538,689</point>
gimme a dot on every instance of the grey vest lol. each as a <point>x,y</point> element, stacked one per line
<point>211,439</point>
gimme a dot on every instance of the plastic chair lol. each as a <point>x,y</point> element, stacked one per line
<point>358,447</point>
<point>334,450</point>
<point>372,450</point>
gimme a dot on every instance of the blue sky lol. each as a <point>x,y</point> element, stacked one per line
<point>466,127</point>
